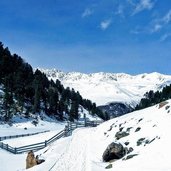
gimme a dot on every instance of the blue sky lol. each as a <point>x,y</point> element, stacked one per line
<point>131,36</point>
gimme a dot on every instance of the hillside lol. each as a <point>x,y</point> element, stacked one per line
<point>27,92</point>
<point>148,141</point>
<point>104,88</point>
<point>149,138</point>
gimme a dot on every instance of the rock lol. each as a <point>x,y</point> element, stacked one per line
<point>113,151</point>
<point>167,107</point>
<point>122,134</point>
<point>38,160</point>
<point>138,129</point>
<point>128,129</point>
<point>126,143</point>
<point>130,150</point>
<point>130,156</point>
<point>140,141</point>
<point>149,141</point>
<point>140,120</point>
<point>163,104</point>
<point>109,166</point>
<point>110,128</point>
<point>120,129</point>
<point>35,122</point>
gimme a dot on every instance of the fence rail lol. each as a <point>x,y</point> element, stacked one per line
<point>22,135</point>
<point>64,133</point>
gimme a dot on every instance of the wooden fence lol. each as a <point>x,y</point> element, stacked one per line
<point>22,135</point>
<point>64,133</point>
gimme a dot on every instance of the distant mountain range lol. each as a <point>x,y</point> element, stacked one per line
<point>116,93</point>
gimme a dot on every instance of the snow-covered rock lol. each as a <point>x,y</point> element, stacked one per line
<point>114,151</point>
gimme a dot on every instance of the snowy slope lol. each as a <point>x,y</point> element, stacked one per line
<point>104,88</point>
<point>83,150</point>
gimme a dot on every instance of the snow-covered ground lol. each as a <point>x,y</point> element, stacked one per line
<point>103,88</point>
<point>11,162</point>
<point>84,113</point>
<point>148,134</point>
<point>27,127</point>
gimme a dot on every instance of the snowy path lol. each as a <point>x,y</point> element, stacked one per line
<point>76,157</point>
<point>69,154</point>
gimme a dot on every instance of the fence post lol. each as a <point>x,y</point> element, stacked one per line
<point>45,143</point>
<point>15,150</point>
<point>66,130</point>
<point>85,122</point>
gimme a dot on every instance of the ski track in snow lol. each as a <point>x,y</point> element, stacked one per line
<point>76,156</point>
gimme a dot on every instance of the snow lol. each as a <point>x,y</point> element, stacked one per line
<point>83,112</point>
<point>27,127</point>
<point>31,139</point>
<point>103,88</point>
<point>83,150</point>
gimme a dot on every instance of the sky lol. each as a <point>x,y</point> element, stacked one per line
<point>119,36</point>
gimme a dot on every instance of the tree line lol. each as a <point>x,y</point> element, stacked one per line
<point>151,98</point>
<point>26,91</point>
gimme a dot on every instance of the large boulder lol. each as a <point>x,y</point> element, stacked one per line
<point>114,151</point>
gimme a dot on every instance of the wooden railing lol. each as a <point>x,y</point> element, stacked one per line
<point>21,135</point>
<point>34,147</point>
<point>64,133</point>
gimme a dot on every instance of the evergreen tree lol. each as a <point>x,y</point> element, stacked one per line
<point>74,111</point>
<point>152,98</point>
<point>33,92</point>
<point>7,104</point>
<point>53,100</point>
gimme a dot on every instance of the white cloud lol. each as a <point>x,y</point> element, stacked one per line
<point>143,5</point>
<point>139,30</point>
<point>131,2</point>
<point>167,18</point>
<point>87,12</point>
<point>120,10</point>
<point>135,31</point>
<point>164,37</point>
<point>157,27</point>
<point>160,23</point>
<point>105,24</point>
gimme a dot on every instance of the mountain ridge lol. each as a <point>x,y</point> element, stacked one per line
<point>105,88</point>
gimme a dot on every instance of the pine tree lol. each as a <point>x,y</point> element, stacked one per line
<point>74,111</point>
<point>53,100</point>
<point>25,89</point>
<point>7,104</point>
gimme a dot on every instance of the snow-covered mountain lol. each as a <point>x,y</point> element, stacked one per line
<point>104,88</point>
<point>145,133</point>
